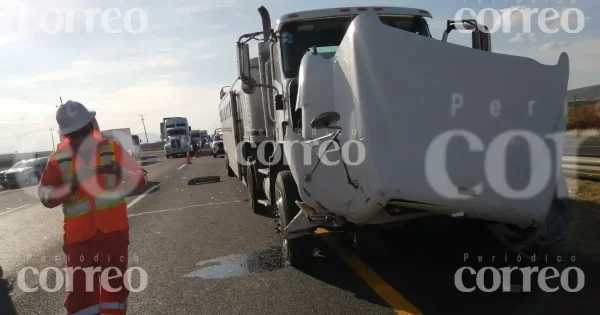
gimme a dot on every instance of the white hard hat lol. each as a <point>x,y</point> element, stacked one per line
<point>72,116</point>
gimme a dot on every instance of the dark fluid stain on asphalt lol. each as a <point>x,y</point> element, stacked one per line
<point>240,265</point>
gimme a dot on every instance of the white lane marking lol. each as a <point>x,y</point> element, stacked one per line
<point>181,208</point>
<point>17,208</point>
<point>181,166</point>
<point>136,200</point>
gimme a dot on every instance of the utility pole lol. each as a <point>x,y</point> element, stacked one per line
<point>143,123</point>
<point>52,134</point>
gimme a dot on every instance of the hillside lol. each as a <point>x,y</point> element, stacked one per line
<point>592,91</point>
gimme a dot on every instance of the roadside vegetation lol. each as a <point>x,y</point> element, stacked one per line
<point>584,114</point>
<point>583,239</point>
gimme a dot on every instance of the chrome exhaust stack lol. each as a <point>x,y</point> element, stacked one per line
<point>266,22</point>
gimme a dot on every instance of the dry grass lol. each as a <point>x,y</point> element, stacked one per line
<point>585,115</point>
<point>584,190</point>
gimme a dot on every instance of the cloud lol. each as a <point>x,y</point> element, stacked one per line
<point>200,8</point>
<point>553,46</point>
<point>571,17</point>
<point>160,98</point>
<point>89,68</point>
<point>512,16</point>
<point>520,37</point>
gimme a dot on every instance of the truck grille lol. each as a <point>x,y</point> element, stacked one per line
<point>175,144</point>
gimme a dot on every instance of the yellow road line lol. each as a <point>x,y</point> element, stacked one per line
<point>394,299</point>
<point>590,174</point>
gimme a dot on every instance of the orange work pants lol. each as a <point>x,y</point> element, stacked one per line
<point>87,291</point>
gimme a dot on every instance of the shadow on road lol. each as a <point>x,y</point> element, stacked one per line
<point>138,192</point>
<point>146,163</point>
<point>426,255</point>
<point>6,304</point>
<point>329,268</point>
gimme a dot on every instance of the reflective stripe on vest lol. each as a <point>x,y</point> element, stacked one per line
<point>65,163</point>
<point>112,198</point>
<point>113,305</point>
<point>77,208</point>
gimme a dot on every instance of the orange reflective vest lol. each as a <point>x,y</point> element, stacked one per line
<point>99,203</point>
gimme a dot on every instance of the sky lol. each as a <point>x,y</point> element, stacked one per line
<point>171,58</point>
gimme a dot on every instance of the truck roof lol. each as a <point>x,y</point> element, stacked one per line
<point>321,13</point>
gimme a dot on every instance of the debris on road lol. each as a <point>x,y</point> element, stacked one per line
<point>204,180</point>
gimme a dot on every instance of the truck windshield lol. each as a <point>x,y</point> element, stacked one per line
<point>135,139</point>
<point>176,132</point>
<point>326,35</point>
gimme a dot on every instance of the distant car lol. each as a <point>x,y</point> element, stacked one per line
<point>24,173</point>
<point>217,145</point>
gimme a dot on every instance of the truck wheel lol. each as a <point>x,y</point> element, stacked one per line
<point>253,191</point>
<point>298,251</point>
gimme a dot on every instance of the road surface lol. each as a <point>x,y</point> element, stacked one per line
<point>205,252</point>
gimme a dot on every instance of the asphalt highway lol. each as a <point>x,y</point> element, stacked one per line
<point>205,252</point>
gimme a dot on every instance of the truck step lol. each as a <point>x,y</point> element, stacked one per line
<point>264,202</point>
<point>264,171</point>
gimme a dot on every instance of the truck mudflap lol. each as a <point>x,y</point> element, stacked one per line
<point>438,123</point>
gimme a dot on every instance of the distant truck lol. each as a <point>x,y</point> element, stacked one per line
<point>199,135</point>
<point>178,136</point>
<point>129,142</point>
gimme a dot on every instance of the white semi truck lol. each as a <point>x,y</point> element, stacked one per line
<point>399,96</point>
<point>177,133</point>
<point>129,142</point>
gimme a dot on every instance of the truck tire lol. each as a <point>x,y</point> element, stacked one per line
<point>253,190</point>
<point>298,251</point>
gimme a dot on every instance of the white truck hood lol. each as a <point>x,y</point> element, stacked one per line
<point>397,92</point>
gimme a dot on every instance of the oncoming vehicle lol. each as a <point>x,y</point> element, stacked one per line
<point>217,144</point>
<point>24,173</point>
<point>374,78</point>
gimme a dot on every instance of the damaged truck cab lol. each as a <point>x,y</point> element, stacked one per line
<point>372,83</point>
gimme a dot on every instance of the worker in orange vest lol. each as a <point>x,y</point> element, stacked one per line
<point>90,177</point>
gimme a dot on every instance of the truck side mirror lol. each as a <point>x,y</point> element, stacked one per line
<point>243,61</point>
<point>481,36</point>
